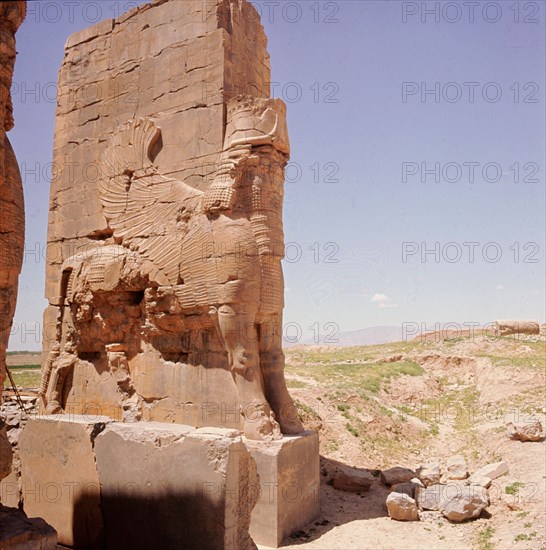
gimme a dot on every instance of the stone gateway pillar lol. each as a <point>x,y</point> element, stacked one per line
<point>164,275</point>
<point>12,209</point>
<point>165,237</point>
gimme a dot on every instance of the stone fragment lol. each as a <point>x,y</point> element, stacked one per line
<point>492,471</point>
<point>59,476</point>
<point>430,498</point>
<point>429,473</point>
<point>353,480</point>
<point>456,467</point>
<point>430,516</point>
<point>407,488</point>
<point>395,475</point>
<point>402,507</point>
<point>505,328</point>
<point>468,503</point>
<point>18,532</point>
<point>180,489</point>
<point>526,430</point>
<point>482,481</point>
<point>289,475</point>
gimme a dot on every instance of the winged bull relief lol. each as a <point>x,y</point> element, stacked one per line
<point>182,262</point>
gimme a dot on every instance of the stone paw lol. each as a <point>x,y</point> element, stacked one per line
<point>260,423</point>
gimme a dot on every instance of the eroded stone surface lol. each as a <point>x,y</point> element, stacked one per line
<point>402,507</point>
<point>12,215</point>
<point>397,474</point>
<point>59,478</point>
<point>199,487</point>
<point>429,473</point>
<point>456,467</point>
<point>164,268</point>
<point>353,480</point>
<point>289,484</point>
<point>18,532</point>
<point>468,503</point>
<point>526,430</point>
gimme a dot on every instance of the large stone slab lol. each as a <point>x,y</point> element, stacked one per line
<point>104,484</point>
<point>171,486</point>
<point>289,486</point>
<point>59,477</point>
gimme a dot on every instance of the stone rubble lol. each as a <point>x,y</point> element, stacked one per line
<point>526,430</point>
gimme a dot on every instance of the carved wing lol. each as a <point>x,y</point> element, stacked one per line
<point>147,211</point>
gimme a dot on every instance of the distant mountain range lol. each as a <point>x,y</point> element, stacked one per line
<point>361,337</point>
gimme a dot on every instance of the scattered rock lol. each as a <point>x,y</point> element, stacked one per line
<point>396,475</point>
<point>402,507</point>
<point>429,473</point>
<point>466,504</point>
<point>492,471</point>
<point>483,481</point>
<point>430,498</point>
<point>407,488</point>
<point>353,480</point>
<point>456,467</point>
<point>527,430</point>
<point>431,517</point>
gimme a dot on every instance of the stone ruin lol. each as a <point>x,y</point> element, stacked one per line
<point>16,529</point>
<point>163,399</point>
<point>165,237</point>
<point>12,209</point>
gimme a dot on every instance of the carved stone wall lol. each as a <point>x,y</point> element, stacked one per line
<point>165,232</point>
<point>12,214</point>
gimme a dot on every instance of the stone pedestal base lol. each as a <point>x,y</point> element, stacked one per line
<point>289,487</point>
<point>17,532</point>
<point>105,484</point>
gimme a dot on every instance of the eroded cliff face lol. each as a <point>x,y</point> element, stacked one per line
<point>12,218</point>
<point>165,232</point>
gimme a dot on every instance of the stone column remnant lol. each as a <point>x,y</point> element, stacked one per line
<point>12,215</point>
<point>165,240</point>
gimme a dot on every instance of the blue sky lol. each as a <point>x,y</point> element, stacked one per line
<point>364,132</point>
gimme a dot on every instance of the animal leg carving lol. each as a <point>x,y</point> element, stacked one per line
<point>241,340</point>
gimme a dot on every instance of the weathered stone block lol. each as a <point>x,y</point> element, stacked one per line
<point>289,486</point>
<point>183,488</point>
<point>18,532</point>
<point>59,477</point>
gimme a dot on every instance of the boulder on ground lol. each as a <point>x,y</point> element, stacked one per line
<point>402,507</point>
<point>429,473</point>
<point>407,488</point>
<point>353,480</point>
<point>430,498</point>
<point>492,471</point>
<point>527,430</point>
<point>467,503</point>
<point>396,475</point>
<point>456,467</point>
